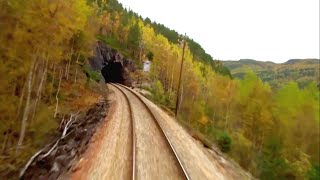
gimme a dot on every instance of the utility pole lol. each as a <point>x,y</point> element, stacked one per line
<point>181,68</point>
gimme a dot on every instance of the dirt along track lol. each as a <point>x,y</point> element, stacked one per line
<point>132,145</point>
<point>154,158</point>
<point>195,158</point>
<point>110,156</point>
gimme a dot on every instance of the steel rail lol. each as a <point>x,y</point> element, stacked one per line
<point>181,166</point>
<point>133,132</point>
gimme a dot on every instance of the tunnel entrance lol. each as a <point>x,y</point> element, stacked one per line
<point>113,73</point>
<point>114,67</point>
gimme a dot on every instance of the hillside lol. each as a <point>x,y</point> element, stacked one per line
<point>52,53</point>
<point>46,74</point>
<point>302,71</point>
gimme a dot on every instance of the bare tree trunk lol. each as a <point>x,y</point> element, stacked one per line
<point>168,78</point>
<point>67,70</point>
<point>4,145</point>
<point>171,85</point>
<point>75,78</point>
<point>54,71</point>
<point>78,58</point>
<point>57,100</point>
<point>27,107</point>
<point>77,61</point>
<point>21,99</point>
<point>181,98</point>
<point>44,75</point>
<point>140,53</point>
<point>68,65</point>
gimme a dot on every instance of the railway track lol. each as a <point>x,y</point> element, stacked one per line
<point>142,143</point>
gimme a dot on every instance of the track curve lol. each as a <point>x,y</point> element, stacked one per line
<point>179,165</point>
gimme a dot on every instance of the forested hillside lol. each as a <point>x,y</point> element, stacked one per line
<point>302,71</point>
<point>44,74</point>
<point>274,134</point>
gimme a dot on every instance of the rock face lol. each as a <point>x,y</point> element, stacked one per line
<point>112,64</point>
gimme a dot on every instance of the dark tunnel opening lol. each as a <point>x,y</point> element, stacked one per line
<point>113,73</point>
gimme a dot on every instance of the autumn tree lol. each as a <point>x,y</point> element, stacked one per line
<point>134,38</point>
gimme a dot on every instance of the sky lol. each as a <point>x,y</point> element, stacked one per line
<point>266,30</point>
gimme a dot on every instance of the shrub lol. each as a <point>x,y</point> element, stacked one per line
<point>158,92</point>
<point>314,172</point>
<point>224,142</point>
<point>91,74</point>
<point>271,163</point>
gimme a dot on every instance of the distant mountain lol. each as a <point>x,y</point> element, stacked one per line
<point>304,61</point>
<point>302,71</point>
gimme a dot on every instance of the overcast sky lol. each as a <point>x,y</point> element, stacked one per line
<point>267,30</point>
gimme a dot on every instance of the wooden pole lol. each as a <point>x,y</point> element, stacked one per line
<point>181,68</point>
